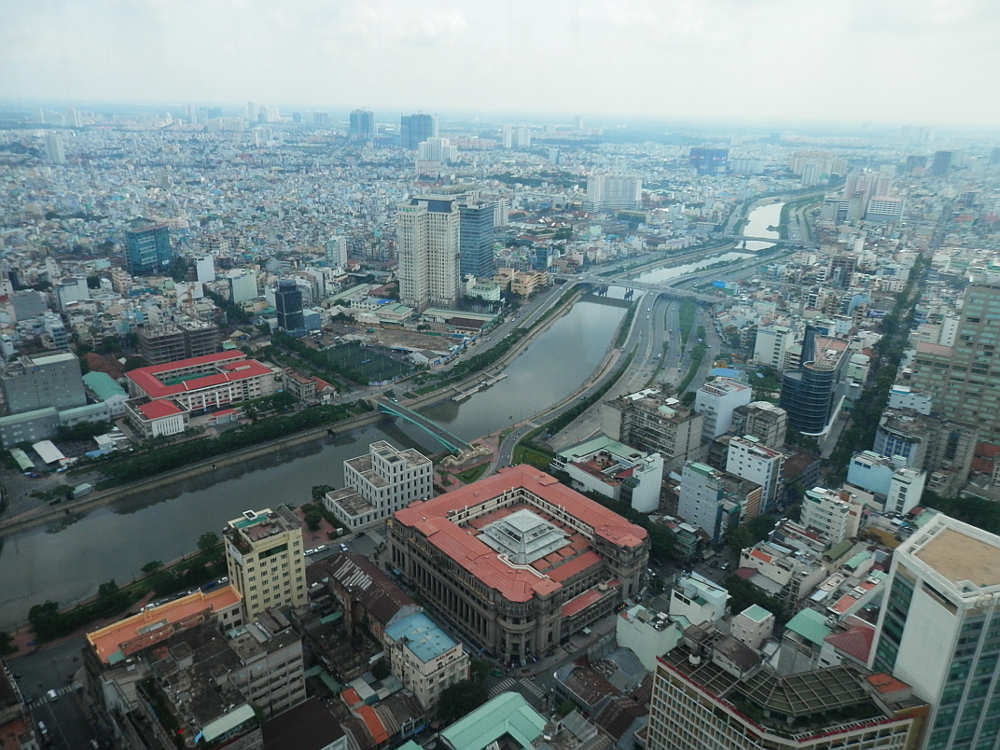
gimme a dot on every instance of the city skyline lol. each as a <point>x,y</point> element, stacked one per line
<point>677,60</point>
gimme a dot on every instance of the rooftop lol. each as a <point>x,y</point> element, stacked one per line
<point>449,522</point>
<point>116,641</point>
<point>423,637</point>
<point>960,553</point>
<point>506,715</point>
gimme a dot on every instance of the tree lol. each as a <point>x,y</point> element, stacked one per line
<point>480,668</point>
<point>459,699</point>
<point>208,541</point>
<point>319,491</point>
<point>381,669</point>
<point>739,539</point>
<point>760,527</point>
<point>151,567</point>
<point>566,708</point>
<point>7,646</point>
<point>313,519</point>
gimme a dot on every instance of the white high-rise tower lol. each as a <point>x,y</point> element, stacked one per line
<point>939,630</point>
<point>428,251</point>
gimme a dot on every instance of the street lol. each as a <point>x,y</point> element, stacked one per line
<point>69,724</point>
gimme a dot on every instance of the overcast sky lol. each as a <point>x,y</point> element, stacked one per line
<point>931,62</point>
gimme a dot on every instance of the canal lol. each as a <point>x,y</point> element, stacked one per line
<point>69,563</point>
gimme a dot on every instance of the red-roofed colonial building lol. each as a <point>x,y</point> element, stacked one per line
<point>517,561</point>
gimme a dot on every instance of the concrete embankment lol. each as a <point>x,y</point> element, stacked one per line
<point>122,492</point>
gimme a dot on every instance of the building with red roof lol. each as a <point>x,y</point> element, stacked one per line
<point>163,396</point>
<point>518,561</point>
<point>202,383</point>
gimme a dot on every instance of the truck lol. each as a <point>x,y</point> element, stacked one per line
<point>82,489</point>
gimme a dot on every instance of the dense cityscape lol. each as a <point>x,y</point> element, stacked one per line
<point>345,429</point>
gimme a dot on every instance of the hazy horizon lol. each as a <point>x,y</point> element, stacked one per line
<point>920,62</point>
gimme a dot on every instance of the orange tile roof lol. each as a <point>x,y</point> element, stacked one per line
<point>517,584</point>
<point>606,524</point>
<point>576,565</point>
<point>581,602</point>
<point>886,683</point>
<point>150,626</point>
<point>760,555</point>
<point>374,724</point>
<point>351,697</point>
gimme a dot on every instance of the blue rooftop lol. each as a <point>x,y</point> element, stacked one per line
<point>425,639</point>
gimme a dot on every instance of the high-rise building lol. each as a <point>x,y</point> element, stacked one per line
<point>437,149</point>
<point>288,305</point>
<point>362,125</point>
<point>941,164</point>
<point>962,379</point>
<point>709,160</point>
<point>336,252</point>
<point>711,692</point>
<point>42,381</point>
<point>762,420</point>
<point>476,239</point>
<point>264,560</point>
<point>174,341</point>
<point>771,344</point>
<point>242,286</point>
<point>54,149</point>
<point>939,630</point>
<point>652,422</point>
<point>703,502</point>
<point>428,232</point>
<point>836,515</point>
<point>716,401</point>
<point>147,248</point>
<point>748,458</point>
<point>807,394</point>
<point>415,129</point>
<point>608,191</point>
<point>915,165</point>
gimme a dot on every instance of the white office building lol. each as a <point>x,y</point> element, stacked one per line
<point>835,515</point>
<point>379,483</point>
<point>771,344</point>
<point>749,458</point>
<point>716,401</point>
<point>939,630</point>
<point>614,191</point>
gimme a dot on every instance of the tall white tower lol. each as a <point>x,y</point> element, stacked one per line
<point>939,630</point>
<point>428,251</point>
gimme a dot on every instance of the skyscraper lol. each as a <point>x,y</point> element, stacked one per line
<point>709,160</point>
<point>613,191</point>
<point>807,394</point>
<point>962,379</point>
<point>428,251</point>
<point>336,251</point>
<point>939,630</point>
<point>147,248</point>
<point>288,304</point>
<point>941,164</point>
<point>54,149</point>
<point>264,560</point>
<point>476,239</point>
<point>362,125</point>
<point>415,129</point>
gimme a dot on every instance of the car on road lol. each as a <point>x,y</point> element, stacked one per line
<point>52,695</point>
